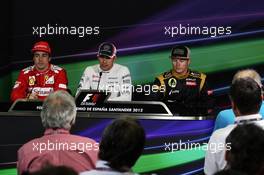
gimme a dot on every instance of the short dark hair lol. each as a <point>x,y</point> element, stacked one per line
<point>246,95</point>
<point>247,149</point>
<point>122,143</point>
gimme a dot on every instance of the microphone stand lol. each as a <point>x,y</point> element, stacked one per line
<point>100,75</point>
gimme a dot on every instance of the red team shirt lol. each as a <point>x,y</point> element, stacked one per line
<point>31,80</point>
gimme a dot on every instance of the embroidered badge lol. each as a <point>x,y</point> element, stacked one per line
<point>172,82</point>
<point>31,80</point>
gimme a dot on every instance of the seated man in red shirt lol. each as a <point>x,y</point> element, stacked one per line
<point>39,80</point>
<point>58,147</point>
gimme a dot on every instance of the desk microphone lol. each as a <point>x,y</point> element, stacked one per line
<point>100,75</point>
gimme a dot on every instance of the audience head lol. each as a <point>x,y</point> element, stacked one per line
<point>246,153</point>
<point>54,170</point>
<point>245,96</point>
<point>122,143</point>
<point>248,73</point>
<point>59,110</point>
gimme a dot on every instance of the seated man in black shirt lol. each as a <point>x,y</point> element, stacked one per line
<point>184,91</point>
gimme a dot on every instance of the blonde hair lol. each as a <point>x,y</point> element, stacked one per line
<point>251,73</point>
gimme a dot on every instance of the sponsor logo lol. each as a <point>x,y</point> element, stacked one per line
<point>126,76</point>
<point>190,79</point>
<point>126,81</point>
<point>172,82</point>
<point>191,83</point>
<point>17,83</point>
<point>63,86</point>
<point>174,92</point>
<point>90,99</point>
<point>112,78</point>
<point>87,97</point>
<point>95,76</point>
<point>31,80</point>
<point>167,75</point>
<point>194,74</point>
<point>49,80</point>
<point>209,92</point>
<point>42,91</point>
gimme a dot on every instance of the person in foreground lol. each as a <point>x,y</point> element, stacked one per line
<point>58,146</point>
<point>121,145</point>
<point>246,153</point>
<point>53,170</point>
<point>246,99</point>
<point>227,117</point>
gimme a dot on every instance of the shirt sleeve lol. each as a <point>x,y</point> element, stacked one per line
<point>20,88</point>
<point>206,94</point>
<point>210,166</point>
<point>224,118</point>
<point>61,81</point>
<point>215,154</point>
<point>84,82</point>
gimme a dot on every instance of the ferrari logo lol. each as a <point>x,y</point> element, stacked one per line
<point>46,78</point>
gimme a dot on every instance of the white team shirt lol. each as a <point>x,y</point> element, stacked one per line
<point>117,81</point>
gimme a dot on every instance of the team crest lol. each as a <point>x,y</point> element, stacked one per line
<point>172,82</point>
<point>31,80</point>
<point>46,78</point>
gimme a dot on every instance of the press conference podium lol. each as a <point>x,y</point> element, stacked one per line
<point>22,123</point>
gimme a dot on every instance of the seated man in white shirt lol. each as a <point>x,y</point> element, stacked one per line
<point>107,75</point>
<point>246,99</point>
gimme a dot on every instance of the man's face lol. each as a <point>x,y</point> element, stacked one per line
<point>180,65</point>
<point>106,63</point>
<point>41,60</point>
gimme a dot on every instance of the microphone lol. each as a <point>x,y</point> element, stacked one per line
<point>100,75</point>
